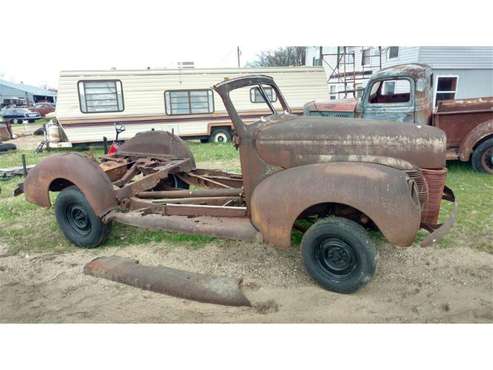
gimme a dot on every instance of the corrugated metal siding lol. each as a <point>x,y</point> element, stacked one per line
<point>457,57</point>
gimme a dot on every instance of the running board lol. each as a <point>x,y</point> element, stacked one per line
<point>236,228</point>
<point>177,283</point>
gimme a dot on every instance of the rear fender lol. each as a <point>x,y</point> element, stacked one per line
<point>380,192</point>
<point>477,134</point>
<point>58,171</point>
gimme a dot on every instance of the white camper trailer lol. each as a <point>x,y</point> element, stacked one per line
<point>90,103</point>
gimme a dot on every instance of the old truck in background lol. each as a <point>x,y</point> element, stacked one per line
<point>404,93</point>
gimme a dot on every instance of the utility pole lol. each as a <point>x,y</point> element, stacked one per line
<point>238,53</point>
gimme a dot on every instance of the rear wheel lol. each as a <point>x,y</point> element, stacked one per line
<point>220,135</point>
<point>338,254</point>
<point>77,220</point>
<point>482,157</point>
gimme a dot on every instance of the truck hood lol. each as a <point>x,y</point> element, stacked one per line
<point>342,105</point>
<point>291,141</point>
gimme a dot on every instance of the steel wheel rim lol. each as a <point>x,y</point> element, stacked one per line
<point>487,160</point>
<point>78,219</point>
<point>336,258</point>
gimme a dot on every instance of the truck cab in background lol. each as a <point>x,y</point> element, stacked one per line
<point>404,93</point>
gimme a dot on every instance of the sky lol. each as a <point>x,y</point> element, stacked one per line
<point>45,69</point>
<point>41,38</point>
<point>47,37</point>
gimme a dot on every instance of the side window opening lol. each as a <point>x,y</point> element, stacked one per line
<point>182,102</point>
<point>393,52</point>
<point>446,88</point>
<point>390,92</point>
<point>256,97</point>
<point>100,96</point>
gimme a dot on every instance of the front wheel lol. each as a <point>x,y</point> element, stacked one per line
<point>77,220</point>
<point>482,157</point>
<point>338,254</point>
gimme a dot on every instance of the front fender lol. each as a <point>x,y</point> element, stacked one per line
<point>382,193</point>
<point>75,169</point>
<point>478,133</point>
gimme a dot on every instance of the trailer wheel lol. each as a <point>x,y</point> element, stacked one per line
<point>77,220</point>
<point>220,135</point>
<point>19,121</point>
<point>338,254</point>
<point>482,157</point>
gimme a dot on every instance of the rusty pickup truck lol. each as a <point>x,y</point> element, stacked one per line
<point>404,93</point>
<point>327,178</point>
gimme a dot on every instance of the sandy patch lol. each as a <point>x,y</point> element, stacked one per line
<point>411,285</point>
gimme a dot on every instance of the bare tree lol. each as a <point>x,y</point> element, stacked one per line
<point>287,56</point>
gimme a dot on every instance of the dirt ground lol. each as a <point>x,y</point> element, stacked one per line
<point>411,285</point>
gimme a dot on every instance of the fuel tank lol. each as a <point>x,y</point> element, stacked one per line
<point>290,141</point>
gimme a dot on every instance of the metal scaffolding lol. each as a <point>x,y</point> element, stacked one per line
<point>344,70</point>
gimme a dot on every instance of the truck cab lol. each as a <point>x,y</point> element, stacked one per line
<point>404,93</point>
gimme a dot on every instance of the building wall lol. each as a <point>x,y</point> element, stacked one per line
<point>473,65</point>
<point>457,57</point>
<point>7,92</point>
<point>471,83</point>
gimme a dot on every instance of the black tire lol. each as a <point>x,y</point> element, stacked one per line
<point>7,147</point>
<point>338,254</point>
<point>220,135</point>
<point>39,131</point>
<point>482,157</point>
<point>77,220</point>
<point>19,121</point>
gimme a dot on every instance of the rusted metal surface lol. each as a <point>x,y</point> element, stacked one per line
<point>190,193</point>
<point>149,181</point>
<point>59,171</point>
<point>285,145</point>
<point>480,132</point>
<point>157,142</point>
<point>440,230</point>
<point>340,105</point>
<point>473,105</point>
<point>278,152</point>
<point>435,180</point>
<point>114,169</point>
<point>379,192</point>
<point>418,109</point>
<point>222,227</point>
<point>166,280</point>
<point>212,178</point>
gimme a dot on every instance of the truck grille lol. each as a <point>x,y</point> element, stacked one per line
<point>435,180</point>
<point>417,176</point>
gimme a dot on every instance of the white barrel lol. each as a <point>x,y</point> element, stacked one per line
<point>53,133</point>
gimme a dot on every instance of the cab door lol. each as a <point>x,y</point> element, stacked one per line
<point>389,100</point>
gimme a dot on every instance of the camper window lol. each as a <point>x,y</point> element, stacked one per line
<point>100,96</point>
<point>189,102</point>
<point>256,97</point>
